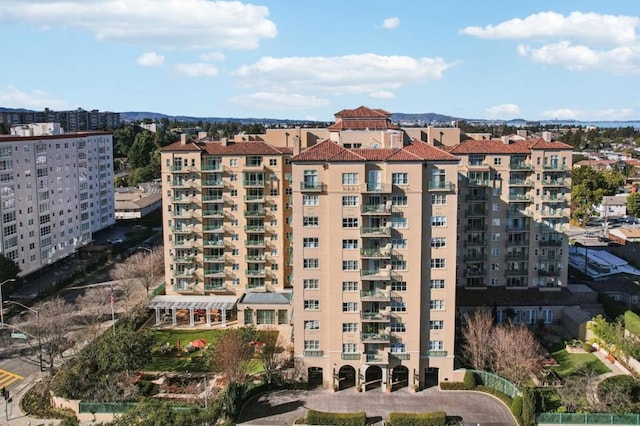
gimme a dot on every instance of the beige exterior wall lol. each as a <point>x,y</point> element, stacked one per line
<point>290,137</point>
<point>225,222</point>
<point>381,308</point>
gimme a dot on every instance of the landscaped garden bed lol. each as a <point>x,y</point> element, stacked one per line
<point>572,362</point>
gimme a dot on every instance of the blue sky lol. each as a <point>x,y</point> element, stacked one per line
<point>298,59</point>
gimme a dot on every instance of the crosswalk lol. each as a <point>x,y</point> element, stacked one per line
<point>7,378</point>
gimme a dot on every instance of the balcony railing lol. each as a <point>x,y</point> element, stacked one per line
<point>216,287</point>
<point>215,229</point>
<point>375,274</point>
<point>260,273</point>
<point>215,259</point>
<point>185,243</point>
<point>375,337</point>
<point>214,243</point>
<point>520,198</point>
<point>476,197</point>
<point>212,183</point>
<point>255,258</point>
<point>214,167</point>
<point>478,257</point>
<point>470,273</point>
<point>544,273</point>
<point>516,272</point>
<point>378,187</point>
<point>182,199</point>
<point>313,353</point>
<point>517,243</point>
<point>554,198</point>
<point>476,212</point>
<point>550,243</point>
<point>517,256</point>
<point>216,272</point>
<point>437,353</point>
<point>211,198</point>
<point>254,213</point>
<point>382,209</point>
<point>375,231</point>
<point>375,253</point>
<point>402,356</point>
<point>555,182</point>
<point>349,356</point>
<point>378,358</point>
<point>312,186</point>
<point>442,186</point>
<point>479,182</point>
<point>554,166</point>
<point>183,259</point>
<point>519,165</point>
<point>475,227</point>
<point>219,213</point>
<point>375,316</point>
<point>254,228</point>
<point>475,243</point>
<point>256,198</point>
<point>520,182</point>
<point>552,213</point>
<point>375,295</point>
<point>253,183</point>
<point>254,243</point>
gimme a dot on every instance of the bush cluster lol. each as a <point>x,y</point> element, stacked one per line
<point>436,418</point>
<point>454,386</point>
<point>339,419</point>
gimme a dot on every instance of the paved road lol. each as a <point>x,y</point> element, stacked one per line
<point>284,407</point>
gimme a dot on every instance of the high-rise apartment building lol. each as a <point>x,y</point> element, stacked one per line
<point>71,121</point>
<point>227,229</point>
<point>56,190</point>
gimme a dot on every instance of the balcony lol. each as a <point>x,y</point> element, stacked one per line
<point>255,213</point>
<point>350,356</point>
<point>518,228</point>
<point>476,197</point>
<point>252,229</point>
<point>376,253</point>
<point>375,274</point>
<point>520,182</point>
<point>520,165</point>
<point>182,229</point>
<point>475,227</point>
<point>256,273</point>
<point>378,188</point>
<point>255,243</point>
<point>186,273</point>
<point>475,243</point>
<point>550,243</point>
<point>519,198</point>
<point>375,231</point>
<point>183,213</point>
<point>375,338</point>
<point>214,229</point>
<point>255,198</point>
<point>554,198</point>
<point>261,258</point>
<point>552,213</point>
<point>437,353</point>
<point>376,209</point>
<point>516,273</point>
<point>183,259</point>
<point>380,316</point>
<point>376,358</point>
<point>184,243</point>
<point>182,183</point>
<point>217,213</point>
<point>213,167</point>
<point>479,182</point>
<point>441,186</point>
<point>400,356</point>
<point>475,212</point>
<point>543,273</point>
<point>375,295</point>
<point>215,287</point>
<point>471,273</point>
<point>213,183</point>
<point>475,257</point>
<point>214,243</point>
<point>555,166</point>
<point>516,256</point>
<point>182,199</point>
<point>477,165</point>
<point>216,259</point>
<point>253,183</point>
<point>555,182</point>
<point>212,198</point>
<point>215,273</point>
<point>312,187</point>
<point>517,243</point>
<point>313,354</point>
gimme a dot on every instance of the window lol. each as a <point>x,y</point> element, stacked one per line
<point>310,200</point>
<point>436,305</point>
<point>350,200</point>
<point>399,222</point>
<point>495,281</point>
<point>273,161</point>
<point>350,348</point>
<point>349,265</point>
<point>350,286</point>
<point>495,221</point>
<point>495,251</point>
<point>311,345</point>
<point>233,162</point>
<point>310,284</point>
<point>495,237</point>
<point>529,316</point>
<point>399,244</point>
<point>398,327</point>
<point>311,305</point>
<point>312,325</point>
<point>436,325</point>
<point>436,345</point>
<point>349,178</point>
<point>437,242</point>
<point>547,314</point>
<point>436,284</point>
<point>438,199</point>
<point>399,200</point>
<point>349,244</point>
<point>398,306</point>
<point>398,265</point>
<point>310,263</point>
<point>400,178</point>
<point>350,307</point>
<point>495,207</point>
<point>310,221</point>
<point>398,286</point>
<point>349,327</point>
<point>437,263</point>
<point>349,222</point>
<point>495,266</point>
<point>310,242</point>
<point>497,161</point>
<point>438,221</point>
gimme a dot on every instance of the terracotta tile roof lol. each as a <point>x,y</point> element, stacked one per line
<point>232,148</point>
<point>363,112</point>
<point>592,163</point>
<point>415,151</point>
<point>542,144</point>
<point>364,124</point>
<point>496,146</point>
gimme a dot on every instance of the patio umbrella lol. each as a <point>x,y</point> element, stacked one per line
<point>200,343</point>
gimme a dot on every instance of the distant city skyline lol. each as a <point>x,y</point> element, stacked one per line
<point>570,60</point>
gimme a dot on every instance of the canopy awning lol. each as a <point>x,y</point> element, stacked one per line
<point>193,302</point>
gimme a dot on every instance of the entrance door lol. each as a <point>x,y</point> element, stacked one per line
<point>314,375</point>
<point>346,377</point>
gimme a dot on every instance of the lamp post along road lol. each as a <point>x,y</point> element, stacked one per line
<point>1,301</point>
<point>37,328</point>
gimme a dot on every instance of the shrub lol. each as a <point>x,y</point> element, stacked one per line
<point>453,386</point>
<point>516,406</point>
<point>340,419</point>
<point>503,397</point>
<point>587,347</point>
<point>436,418</point>
<point>632,323</point>
<point>469,379</point>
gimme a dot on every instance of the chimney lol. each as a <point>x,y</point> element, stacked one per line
<point>505,140</point>
<point>224,141</point>
<point>546,136</point>
<point>183,139</point>
<point>296,145</point>
<point>202,135</point>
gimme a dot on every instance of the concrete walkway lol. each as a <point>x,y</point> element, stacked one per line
<point>616,368</point>
<point>284,407</point>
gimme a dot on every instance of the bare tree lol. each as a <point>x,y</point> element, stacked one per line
<point>517,352</point>
<point>231,356</point>
<point>149,265</point>
<point>272,353</point>
<point>477,334</point>
<point>575,389</point>
<point>91,309</point>
<point>128,286</point>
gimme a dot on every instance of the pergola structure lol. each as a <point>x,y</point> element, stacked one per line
<point>192,303</point>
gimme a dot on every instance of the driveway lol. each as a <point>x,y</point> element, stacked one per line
<point>284,407</point>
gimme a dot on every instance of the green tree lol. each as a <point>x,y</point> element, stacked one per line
<point>633,204</point>
<point>141,152</point>
<point>124,349</point>
<point>528,406</point>
<point>8,270</point>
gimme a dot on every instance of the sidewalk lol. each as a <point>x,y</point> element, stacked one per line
<point>616,368</point>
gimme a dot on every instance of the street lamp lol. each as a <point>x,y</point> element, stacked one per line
<point>37,328</point>
<point>1,304</point>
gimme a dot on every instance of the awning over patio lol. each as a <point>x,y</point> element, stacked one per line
<point>193,302</point>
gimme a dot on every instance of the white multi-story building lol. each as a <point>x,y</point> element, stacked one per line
<point>56,190</point>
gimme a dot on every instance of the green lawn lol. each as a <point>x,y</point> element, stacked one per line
<point>570,363</point>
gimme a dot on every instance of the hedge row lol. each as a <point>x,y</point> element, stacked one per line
<point>632,323</point>
<point>338,419</point>
<point>436,418</point>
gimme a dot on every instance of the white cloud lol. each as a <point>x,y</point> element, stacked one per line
<point>171,24</point>
<point>503,110</point>
<point>12,97</point>
<point>616,114</point>
<point>563,114</point>
<point>150,59</point>
<point>578,41</point>
<point>588,27</point>
<point>364,73</point>
<point>280,101</point>
<point>391,23</point>
<point>382,94</point>
<point>196,70</point>
<point>212,57</point>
